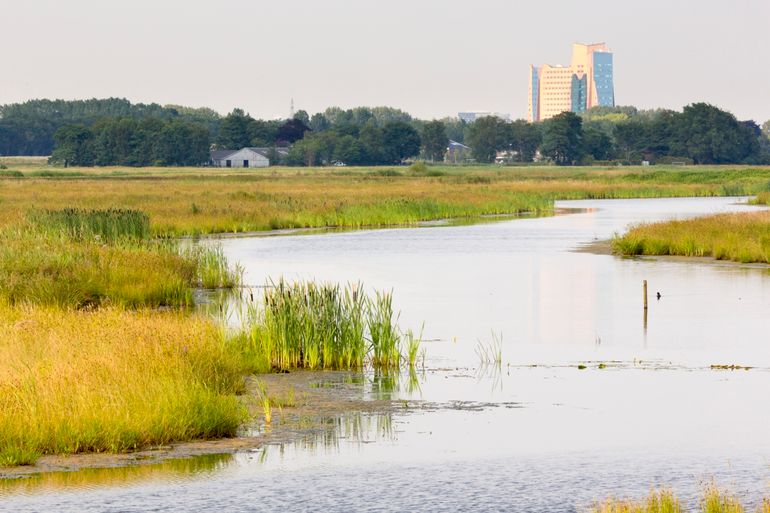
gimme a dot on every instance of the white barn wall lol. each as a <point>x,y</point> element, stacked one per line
<point>254,158</point>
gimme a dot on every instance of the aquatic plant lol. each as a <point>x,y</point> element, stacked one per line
<point>320,326</point>
<point>490,352</point>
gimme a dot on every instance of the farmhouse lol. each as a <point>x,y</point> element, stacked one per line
<point>245,157</point>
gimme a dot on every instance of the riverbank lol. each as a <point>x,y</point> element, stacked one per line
<point>743,238</point>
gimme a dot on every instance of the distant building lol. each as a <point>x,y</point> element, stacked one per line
<point>470,117</point>
<point>457,152</point>
<point>587,82</point>
<point>246,157</point>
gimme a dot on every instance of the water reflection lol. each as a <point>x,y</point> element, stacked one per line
<point>88,478</point>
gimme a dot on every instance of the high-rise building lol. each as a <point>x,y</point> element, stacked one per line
<point>586,83</point>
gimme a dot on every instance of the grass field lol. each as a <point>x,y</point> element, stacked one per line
<point>713,500</point>
<point>183,201</point>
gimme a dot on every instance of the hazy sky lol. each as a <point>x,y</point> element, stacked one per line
<point>431,58</point>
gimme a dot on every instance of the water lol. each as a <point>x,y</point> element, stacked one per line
<point>538,433</point>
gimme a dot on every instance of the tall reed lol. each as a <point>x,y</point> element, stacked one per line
<point>312,326</point>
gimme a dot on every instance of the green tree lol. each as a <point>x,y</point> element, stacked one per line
<point>235,130</point>
<point>597,143</point>
<point>525,138</point>
<point>486,136</point>
<point>303,117</point>
<point>74,146</point>
<point>709,135</point>
<point>399,141</point>
<point>434,140</point>
<point>563,139</point>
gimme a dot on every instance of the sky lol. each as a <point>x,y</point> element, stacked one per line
<point>430,58</point>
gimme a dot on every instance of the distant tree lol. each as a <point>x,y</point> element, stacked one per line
<point>563,139</point>
<point>434,140</point>
<point>630,138</point>
<point>319,123</point>
<point>597,143</point>
<point>74,146</point>
<point>486,136</point>
<point>235,130</point>
<point>291,131</point>
<point>303,153</point>
<point>372,146</point>
<point>264,133</point>
<point>766,129</point>
<point>348,150</point>
<point>302,115</point>
<point>399,141</point>
<point>709,135</point>
<point>524,139</point>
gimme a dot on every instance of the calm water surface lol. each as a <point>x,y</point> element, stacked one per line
<point>535,434</point>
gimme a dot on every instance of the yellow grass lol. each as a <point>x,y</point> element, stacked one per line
<point>111,380</point>
<point>739,237</point>
<point>199,200</point>
<point>657,502</point>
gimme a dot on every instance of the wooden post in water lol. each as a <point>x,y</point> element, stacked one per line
<point>644,287</point>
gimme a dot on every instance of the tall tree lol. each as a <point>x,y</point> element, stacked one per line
<point>235,130</point>
<point>399,141</point>
<point>525,138</point>
<point>563,139</point>
<point>291,131</point>
<point>434,140</point>
<point>487,136</point>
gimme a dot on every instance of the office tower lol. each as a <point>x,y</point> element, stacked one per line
<point>586,83</point>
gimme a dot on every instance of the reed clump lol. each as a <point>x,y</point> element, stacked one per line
<point>111,380</point>
<point>311,326</point>
<point>743,237</point>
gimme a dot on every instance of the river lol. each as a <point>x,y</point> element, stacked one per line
<point>592,397</point>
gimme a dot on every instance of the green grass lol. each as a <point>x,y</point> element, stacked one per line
<point>305,325</point>
<point>91,258</point>
<point>656,502</point>
<point>737,237</point>
<point>101,225</point>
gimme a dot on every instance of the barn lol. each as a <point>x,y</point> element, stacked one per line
<point>245,157</point>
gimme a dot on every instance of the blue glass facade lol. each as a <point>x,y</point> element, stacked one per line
<point>605,91</point>
<point>535,93</point>
<point>579,93</point>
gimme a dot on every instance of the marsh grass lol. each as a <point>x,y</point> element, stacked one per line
<point>320,326</point>
<point>718,501</point>
<point>663,501</point>
<point>490,352</point>
<point>108,225</point>
<point>111,381</point>
<point>90,258</point>
<point>743,237</point>
<point>316,197</point>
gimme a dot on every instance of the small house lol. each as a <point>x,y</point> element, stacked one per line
<point>245,157</point>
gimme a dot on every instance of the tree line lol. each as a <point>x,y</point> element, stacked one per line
<point>116,132</point>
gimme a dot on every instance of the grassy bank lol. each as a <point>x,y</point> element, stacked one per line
<point>741,237</point>
<point>111,380</point>
<point>199,200</point>
<point>88,365</point>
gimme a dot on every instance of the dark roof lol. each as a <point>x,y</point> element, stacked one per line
<point>221,154</point>
<point>266,152</point>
